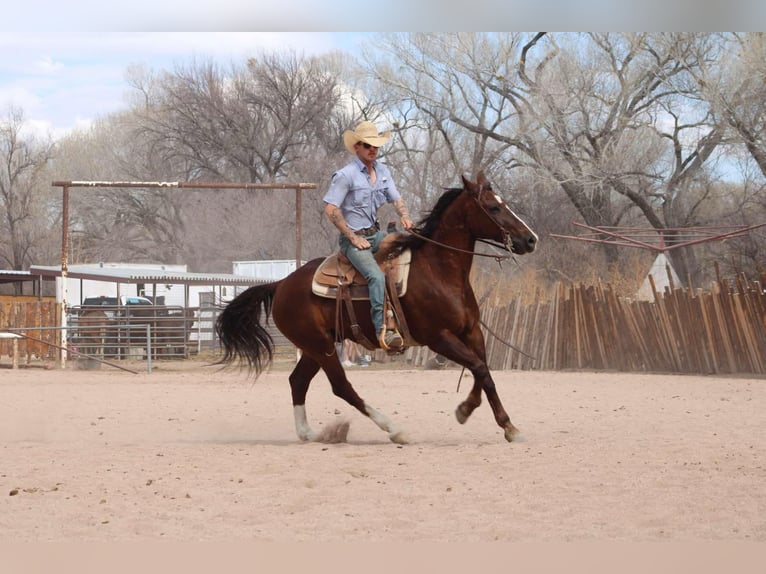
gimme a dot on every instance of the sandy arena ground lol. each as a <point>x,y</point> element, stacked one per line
<point>189,453</point>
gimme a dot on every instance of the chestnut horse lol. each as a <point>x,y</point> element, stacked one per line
<point>439,307</point>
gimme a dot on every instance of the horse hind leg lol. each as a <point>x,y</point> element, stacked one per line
<point>395,434</point>
<point>342,388</point>
<point>300,379</point>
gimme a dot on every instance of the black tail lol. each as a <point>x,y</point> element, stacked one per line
<point>241,332</point>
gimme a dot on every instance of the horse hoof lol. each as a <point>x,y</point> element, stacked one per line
<point>461,415</point>
<point>398,438</point>
<point>512,434</point>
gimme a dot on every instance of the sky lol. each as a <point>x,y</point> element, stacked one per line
<point>64,64</point>
<point>64,81</point>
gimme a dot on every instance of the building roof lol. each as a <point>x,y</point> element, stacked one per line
<point>143,275</point>
<point>15,276</point>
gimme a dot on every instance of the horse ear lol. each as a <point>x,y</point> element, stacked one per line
<point>481,179</point>
<point>468,185</point>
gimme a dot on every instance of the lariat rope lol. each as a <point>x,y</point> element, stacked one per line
<point>506,343</point>
<point>503,341</point>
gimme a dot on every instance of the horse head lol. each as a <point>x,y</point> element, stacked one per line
<point>495,220</point>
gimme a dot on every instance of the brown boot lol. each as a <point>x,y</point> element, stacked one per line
<point>393,339</point>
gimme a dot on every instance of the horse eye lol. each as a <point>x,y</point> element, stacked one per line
<point>494,208</point>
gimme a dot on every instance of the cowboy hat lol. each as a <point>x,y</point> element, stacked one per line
<point>365,132</point>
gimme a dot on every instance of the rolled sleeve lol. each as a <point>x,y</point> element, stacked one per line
<point>339,186</point>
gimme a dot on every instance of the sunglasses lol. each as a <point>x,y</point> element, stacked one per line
<point>368,146</point>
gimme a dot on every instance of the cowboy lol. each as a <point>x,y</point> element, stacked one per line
<point>356,193</point>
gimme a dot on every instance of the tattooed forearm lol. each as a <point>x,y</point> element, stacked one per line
<point>403,214</point>
<point>400,208</point>
<point>336,217</point>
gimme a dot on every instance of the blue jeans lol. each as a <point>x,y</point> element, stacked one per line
<point>364,262</point>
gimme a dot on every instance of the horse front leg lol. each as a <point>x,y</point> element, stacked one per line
<point>483,381</point>
<point>471,355</point>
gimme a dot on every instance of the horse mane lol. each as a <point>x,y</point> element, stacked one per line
<point>427,226</point>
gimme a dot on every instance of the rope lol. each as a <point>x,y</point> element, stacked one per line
<point>506,343</point>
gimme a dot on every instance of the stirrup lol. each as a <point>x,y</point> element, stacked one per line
<point>394,335</point>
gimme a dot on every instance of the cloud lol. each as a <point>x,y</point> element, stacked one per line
<point>47,65</point>
<point>65,81</point>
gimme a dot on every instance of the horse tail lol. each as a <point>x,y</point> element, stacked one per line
<point>240,330</point>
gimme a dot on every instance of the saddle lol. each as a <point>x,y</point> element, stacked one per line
<point>336,278</point>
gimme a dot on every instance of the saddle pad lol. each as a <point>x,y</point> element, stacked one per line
<point>327,276</point>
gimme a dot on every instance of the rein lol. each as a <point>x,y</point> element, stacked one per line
<point>498,258</point>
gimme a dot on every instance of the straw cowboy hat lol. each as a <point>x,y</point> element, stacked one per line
<point>365,132</point>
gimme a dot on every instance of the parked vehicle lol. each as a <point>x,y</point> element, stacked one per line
<point>113,301</point>
<point>114,307</point>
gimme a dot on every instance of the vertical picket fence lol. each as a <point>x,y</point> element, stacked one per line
<point>717,331</point>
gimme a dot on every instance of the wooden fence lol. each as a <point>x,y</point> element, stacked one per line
<point>721,331</point>
<point>37,318</point>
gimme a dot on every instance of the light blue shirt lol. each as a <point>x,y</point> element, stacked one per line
<point>358,200</point>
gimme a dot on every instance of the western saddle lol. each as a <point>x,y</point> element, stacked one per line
<point>336,278</point>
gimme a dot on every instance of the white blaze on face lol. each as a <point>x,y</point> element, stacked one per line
<point>501,202</point>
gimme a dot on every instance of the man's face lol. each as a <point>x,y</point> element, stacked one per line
<point>365,151</point>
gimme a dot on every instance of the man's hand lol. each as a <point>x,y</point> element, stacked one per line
<point>403,213</point>
<point>333,214</point>
<point>360,242</point>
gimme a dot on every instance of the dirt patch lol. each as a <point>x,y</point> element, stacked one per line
<point>193,453</point>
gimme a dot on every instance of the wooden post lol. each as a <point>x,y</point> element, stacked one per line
<point>298,230</point>
<point>15,348</point>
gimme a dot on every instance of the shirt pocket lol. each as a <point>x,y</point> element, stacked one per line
<point>360,197</point>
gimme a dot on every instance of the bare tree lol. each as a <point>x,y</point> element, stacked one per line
<point>275,118</point>
<point>735,86</point>
<point>26,217</point>
<point>272,119</point>
<point>123,224</point>
<point>425,81</point>
<point>248,123</point>
<point>611,119</point>
<point>607,129</point>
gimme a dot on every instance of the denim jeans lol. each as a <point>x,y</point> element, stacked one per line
<point>364,262</point>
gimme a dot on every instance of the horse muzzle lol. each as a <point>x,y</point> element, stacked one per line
<point>525,243</point>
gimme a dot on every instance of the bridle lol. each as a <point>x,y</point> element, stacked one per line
<point>506,245</point>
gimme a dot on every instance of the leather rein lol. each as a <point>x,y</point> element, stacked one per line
<point>498,258</point>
